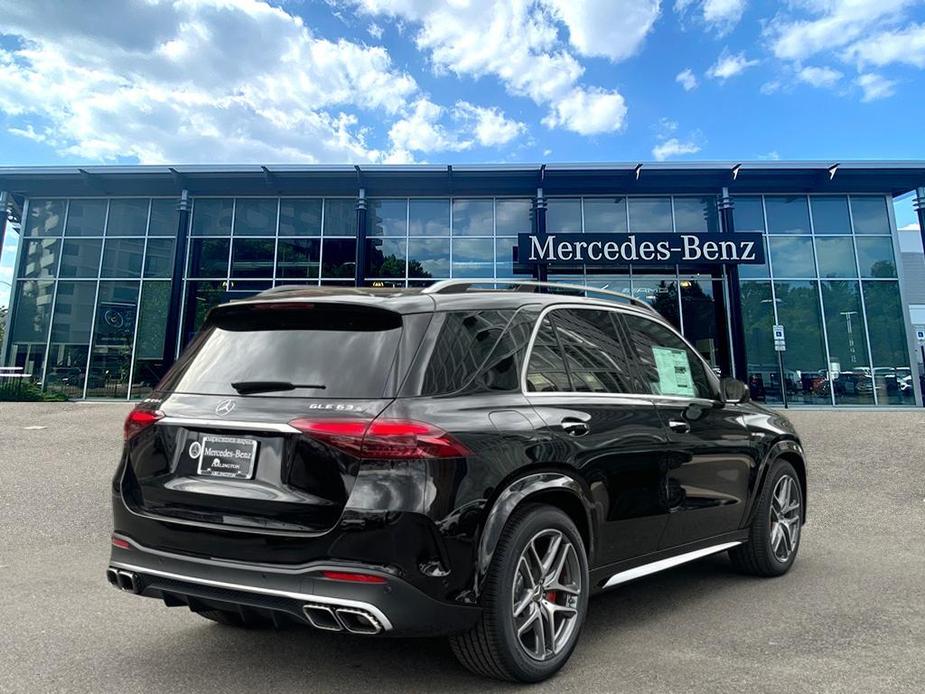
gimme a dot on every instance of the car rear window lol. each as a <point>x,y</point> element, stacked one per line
<point>348,350</point>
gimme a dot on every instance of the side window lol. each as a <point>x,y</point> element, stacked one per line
<point>578,350</point>
<point>465,341</point>
<point>669,366</point>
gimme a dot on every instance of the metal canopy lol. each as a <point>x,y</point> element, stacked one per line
<point>891,177</point>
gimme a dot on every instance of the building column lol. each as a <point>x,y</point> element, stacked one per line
<point>172,331</point>
<point>360,269</point>
<point>734,310</point>
<point>919,205</point>
<point>540,270</point>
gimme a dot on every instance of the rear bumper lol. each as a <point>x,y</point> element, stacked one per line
<point>392,607</point>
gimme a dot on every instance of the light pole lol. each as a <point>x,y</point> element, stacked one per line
<point>851,351</point>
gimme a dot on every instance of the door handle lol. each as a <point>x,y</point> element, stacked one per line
<point>679,425</point>
<point>575,427</point>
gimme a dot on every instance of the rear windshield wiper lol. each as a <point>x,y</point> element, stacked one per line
<point>251,387</point>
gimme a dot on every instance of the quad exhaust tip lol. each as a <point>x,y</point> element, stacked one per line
<point>329,618</point>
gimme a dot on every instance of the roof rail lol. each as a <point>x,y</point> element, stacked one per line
<point>458,286</point>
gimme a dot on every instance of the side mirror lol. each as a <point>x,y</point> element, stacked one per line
<point>735,391</point>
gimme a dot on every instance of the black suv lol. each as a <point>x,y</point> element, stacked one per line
<point>445,461</point>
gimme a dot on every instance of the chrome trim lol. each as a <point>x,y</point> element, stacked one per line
<point>305,597</point>
<point>662,564</point>
<point>229,424</point>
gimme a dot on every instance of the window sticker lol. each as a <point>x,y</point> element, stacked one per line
<point>674,371</point>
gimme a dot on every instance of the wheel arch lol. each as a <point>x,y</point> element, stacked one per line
<point>792,452</point>
<point>553,487</point>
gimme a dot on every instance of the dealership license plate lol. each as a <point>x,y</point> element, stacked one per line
<point>227,456</point>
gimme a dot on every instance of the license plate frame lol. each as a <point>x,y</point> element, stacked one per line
<point>227,457</point>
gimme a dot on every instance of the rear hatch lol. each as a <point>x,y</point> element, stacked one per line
<point>221,448</point>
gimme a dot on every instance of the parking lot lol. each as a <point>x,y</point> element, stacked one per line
<point>850,617</point>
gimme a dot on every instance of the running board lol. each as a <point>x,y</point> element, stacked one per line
<point>662,564</point>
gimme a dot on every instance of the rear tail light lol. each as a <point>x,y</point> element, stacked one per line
<point>383,439</point>
<point>352,577</point>
<point>138,420</point>
<point>120,543</point>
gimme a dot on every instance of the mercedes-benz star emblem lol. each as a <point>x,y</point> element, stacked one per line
<point>225,407</point>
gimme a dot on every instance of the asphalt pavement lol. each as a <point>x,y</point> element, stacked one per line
<point>849,617</point>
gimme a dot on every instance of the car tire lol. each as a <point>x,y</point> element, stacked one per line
<point>493,647</point>
<point>776,528</point>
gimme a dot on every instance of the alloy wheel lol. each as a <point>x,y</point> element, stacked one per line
<point>547,587</point>
<point>785,518</point>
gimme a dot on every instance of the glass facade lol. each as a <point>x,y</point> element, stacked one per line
<point>93,280</point>
<point>831,281</point>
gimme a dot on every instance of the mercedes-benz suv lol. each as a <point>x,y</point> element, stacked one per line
<point>445,461</point>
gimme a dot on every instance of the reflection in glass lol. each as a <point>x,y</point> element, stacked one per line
<point>70,338</point>
<point>604,215</point>
<point>86,217</point>
<point>875,257</point>
<point>830,214</point>
<point>504,254</point>
<point>39,258</point>
<point>836,257</point>
<point>127,217</point>
<point>111,356</point>
<point>149,365</point>
<point>164,217</point>
<point>80,258</point>
<point>748,213</point>
<point>764,380</point>
<point>805,370</point>
<point>340,217</point>
<point>386,217</point>
<point>513,216</point>
<point>300,217</point>
<point>748,270</point>
<point>122,258</point>
<point>473,258</point>
<point>201,297</point>
<point>255,217</point>
<point>208,258</point>
<point>429,217</point>
<point>563,215</point>
<point>429,258</point>
<point>699,316</point>
<point>338,258</point>
<point>211,217</point>
<point>252,258</point>
<point>661,293</point>
<point>29,327</point>
<point>159,258</point>
<point>696,214</point>
<point>844,323</point>
<point>787,214</point>
<point>889,352</point>
<point>386,257</point>
<point>473,217</point>
<point>870,214</point>
<point>650,214</point>
<point>298,258</point>
<point>792,257</point>
<point>45,218</point>
<point>614,283</point>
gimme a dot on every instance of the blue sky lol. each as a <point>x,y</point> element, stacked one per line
<point>459,81</point>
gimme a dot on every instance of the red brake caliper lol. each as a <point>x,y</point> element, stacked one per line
<point>551,596</point>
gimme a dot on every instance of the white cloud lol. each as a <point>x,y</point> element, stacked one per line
<point>720,15</point>
<point>519,43</point>
<point>374,30</point>
<point>773,155</point>
<point>686,79</point>
<point>819,76</point>
<point>421,130</point>
<point>903,46</point>
<point>729,65</point>
<point>489,125</point>
<point>911,226</point>
<point>673,147</point>
<point>874,86</point>
<point>216,80</point>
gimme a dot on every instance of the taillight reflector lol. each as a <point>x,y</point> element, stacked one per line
<point>383,439</point>
<point>139,420</point>
<point>120,543</point>
<point>352,577</point>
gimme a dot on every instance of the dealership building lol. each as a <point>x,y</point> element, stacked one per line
<point>787,275</point>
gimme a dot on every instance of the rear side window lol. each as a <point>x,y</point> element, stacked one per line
<point>464,343</point>
<point>578,350</point>
<point>669,366</point>
<point>325,351</point>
